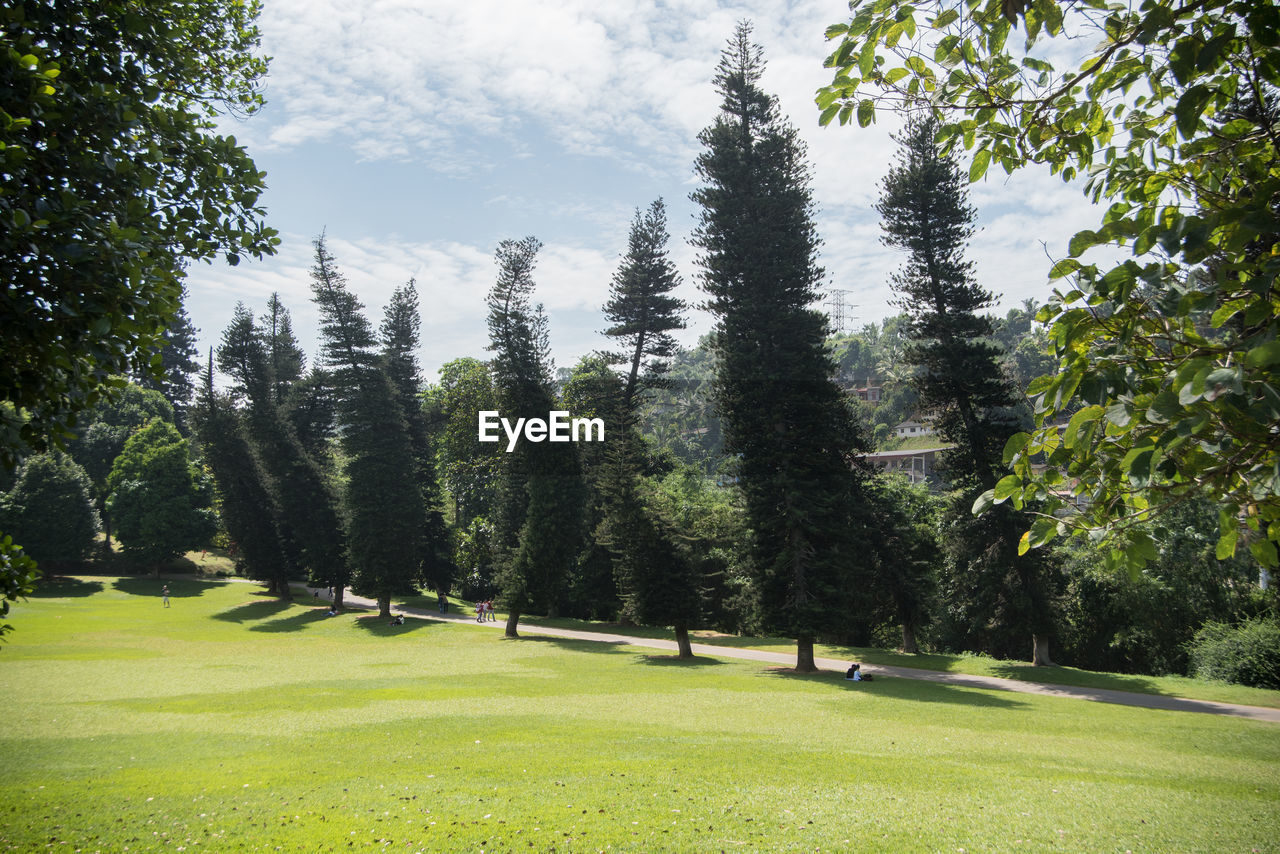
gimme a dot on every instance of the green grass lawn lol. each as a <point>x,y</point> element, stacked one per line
<point>231,721</point>
<point>977,665</point>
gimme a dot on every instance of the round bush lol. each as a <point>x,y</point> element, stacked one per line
<point>1247,653</point>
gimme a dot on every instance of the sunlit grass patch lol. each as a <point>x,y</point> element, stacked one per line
<point>231,722</point>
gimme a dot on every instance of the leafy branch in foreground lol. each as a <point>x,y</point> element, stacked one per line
<point>1167,361</point>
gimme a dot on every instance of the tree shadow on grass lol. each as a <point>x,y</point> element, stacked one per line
<point>64,587</point>
<point>899,688</point>
<point>140,585</point>
<point>677,661</point>
<point>1054,675</point>
<point>380,626</point>
<point>260,610</point>
<point>294,623</point>
<point>576,644</point>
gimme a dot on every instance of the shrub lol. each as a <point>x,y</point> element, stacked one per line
<point>49,512</point>
<point>1247,653</point>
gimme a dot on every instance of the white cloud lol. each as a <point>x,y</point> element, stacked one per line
<point>628,81</point>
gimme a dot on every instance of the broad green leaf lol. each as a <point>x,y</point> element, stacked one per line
<point>981,159</point>
<point>1264,552</point>
<point>1016,443</point>
<point>1007,486</point>
<point>1081,242</point>
<point>1024,543</point>
<point>1263,355</point>
<point>1065,267</point>
<point>1189,108</point>
<point>983,502</point>
<point>866,113</point>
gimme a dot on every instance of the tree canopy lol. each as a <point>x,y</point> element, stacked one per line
<point>114,181</point>
<point>784,416</point>
<point>1168,359</point>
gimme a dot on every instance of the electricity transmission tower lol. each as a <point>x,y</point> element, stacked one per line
<point>838,310</point>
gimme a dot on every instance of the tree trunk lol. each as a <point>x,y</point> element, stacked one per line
<point>804,655</point>
<point>553,611</point>
<point>909,639</point>
<point>1040,651</point>
<point>384,606</point>
<point>286,592</point>
<point>682,639</point>
<point>337,597</point>
<point>513,619</point>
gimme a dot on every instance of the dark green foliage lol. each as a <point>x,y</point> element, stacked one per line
<point>784,417</point>
<point>925,211</point>
<point>18,575</point>
<point>538,516</point>
<point>657,575</point>
<point>907,551</point>
<point>992,595</point>
<point>347,343</point>
<point>1247,653</point>
<point>284,356</point>
<point>384,508</point>
<point>312,409</point>
<point>992,599</point>
<point>595,390</point>
<point>469,469</point>
<point>160,502</point>
<point>114,181</point>
<point>681,417</point>
<point>311,533</point>
<point>1141,622</point>
<point>473,555</point>
<point>400,334</point>
<point>49,510</point>
<point>178,359</point>
<point>712,525</point>
<point>248,511</point>
<point>640,306</point>
<point>104,430</point>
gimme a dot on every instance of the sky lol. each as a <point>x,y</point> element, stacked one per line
<point>418,134</point>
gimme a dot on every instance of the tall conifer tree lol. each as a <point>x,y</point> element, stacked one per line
<point>539,509</point>
<point>248,510</point>
<point>958,379</point>
<point>311,528</point>
<point>284,355</point>
<point>785,418</point>
<point>384,508</point>
<point>654,574</point>
<point>178,356</point>
<point>640,306</point>
<point>400,333</point>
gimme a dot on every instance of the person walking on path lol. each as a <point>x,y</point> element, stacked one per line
<point>164,593</point>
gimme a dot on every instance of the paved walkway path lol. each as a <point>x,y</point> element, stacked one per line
<point>998,683</point>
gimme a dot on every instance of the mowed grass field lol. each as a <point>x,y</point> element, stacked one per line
<point>233,722</point>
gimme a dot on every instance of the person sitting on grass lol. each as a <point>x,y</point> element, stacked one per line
<point>854,674</point>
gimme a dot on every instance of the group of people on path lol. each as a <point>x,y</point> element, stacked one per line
<point>484,611</point>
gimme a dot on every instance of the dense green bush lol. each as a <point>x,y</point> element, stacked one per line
<point>1144,622</point>
<point>1247,653</point>
<point>49,511</point>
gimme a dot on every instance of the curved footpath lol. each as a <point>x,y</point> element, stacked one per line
<point>997,683</point>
